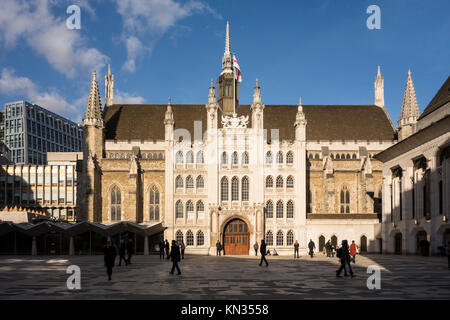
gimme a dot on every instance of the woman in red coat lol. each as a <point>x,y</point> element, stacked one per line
<point>353,250</point>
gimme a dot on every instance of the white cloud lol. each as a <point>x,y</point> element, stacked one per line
<point>121,97</point>
<point>48,35</point>
<point>151,19</point>
<point>23,87</point>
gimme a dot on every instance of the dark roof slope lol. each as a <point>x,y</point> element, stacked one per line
<point>145,122</point>
<point>441,98</point>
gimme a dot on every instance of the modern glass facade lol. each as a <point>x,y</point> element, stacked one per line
<point>31,131</point>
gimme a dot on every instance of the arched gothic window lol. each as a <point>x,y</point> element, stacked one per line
<point>234,189</point>
<point>179,157</point>
<point>200,182</point>
<point>190,209</point>
<point>154,203</point>
<point>269,182</point>
<point>224,189</point>
<point>116,204</point>
<point>179,209</point>
<point>200,210</point>
<point>179,182</point>
<point>179,236</point>
<point>200,238</point>
<point>200,158</point>
<point>245,158</point>
<point>345,200</point>
<point>245,189</point>
<point>290,182</point>
<point>189,157</point>
<point>280,209</point>
<point>316,157</point>
<point>279,182</point>
<point>189,239</point>
<point>269,238</point>
<point>224,158</point>
<point>269,157</point>
<point>290,238</point>
<point>280,238</point>
<point>290,209</point>
<point>290,158</point>
<point>189,182</point>
<point>269,209</point>
<point>234,158</point>
<point>279,157</point>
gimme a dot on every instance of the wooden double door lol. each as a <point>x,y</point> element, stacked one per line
<point>236,238</point>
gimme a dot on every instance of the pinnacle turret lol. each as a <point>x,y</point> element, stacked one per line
<point>410,110</point>
<point>93,115</point>
<point>379,89</point>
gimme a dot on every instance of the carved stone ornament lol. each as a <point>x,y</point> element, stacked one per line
<point>234,121</point>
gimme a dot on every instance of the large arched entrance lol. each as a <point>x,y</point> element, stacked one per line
<point>236,237</point>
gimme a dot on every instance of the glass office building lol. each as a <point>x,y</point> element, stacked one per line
<point>31,131</point>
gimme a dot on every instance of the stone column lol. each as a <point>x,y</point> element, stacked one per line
<point>71,247</point>
<point>146,250</point>
<point>33,247</point>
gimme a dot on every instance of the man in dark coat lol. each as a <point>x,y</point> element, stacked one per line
<point>175,257</point>
<point>129,250</point>
<point>122,253</point>
<point>328,248</point>
<point>161,248</point>
<point>218,247</point>
<point>296,246</point>
<point>262,249</point>
<point>311,247</point>
<point>182,247</point>
<point>167,247</point>
<point>343,253</point>
<point>109,252</point>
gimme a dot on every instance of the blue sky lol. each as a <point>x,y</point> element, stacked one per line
<point>320,50</point>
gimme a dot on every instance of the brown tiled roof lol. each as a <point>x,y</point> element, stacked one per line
<point>145,122</point>
<point>441,98</point>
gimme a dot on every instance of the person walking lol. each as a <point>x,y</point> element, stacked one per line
<point>182,247</point>
<point>256,246</point>
<point>218,248</point>
<point>109,252</point>
<point>311,247</point>
<point>328,248</point>
<point>353,251</point>
<point>263,253</point>
<point>167,247</point>
<point>129,250</point>
<point>122,250</point>
<point>175,257</point>
<point>161,248</point>
<point>343,254</point>
<point>296,246</point>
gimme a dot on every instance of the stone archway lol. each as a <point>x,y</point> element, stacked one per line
<point>236,237</point>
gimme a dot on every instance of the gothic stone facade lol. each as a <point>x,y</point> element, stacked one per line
<point>237,173</point>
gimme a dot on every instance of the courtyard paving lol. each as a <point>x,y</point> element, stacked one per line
<point>207,277</point>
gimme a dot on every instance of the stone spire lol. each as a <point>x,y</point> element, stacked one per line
<point>379,89</point>
<point>212,93</point>
<point>410,110</point>
<point>257,93</point>
<point>300,122</point>
<point>168,119</point>
<point>227,60</point>
<point>109,88</point>
<point>93,115</point>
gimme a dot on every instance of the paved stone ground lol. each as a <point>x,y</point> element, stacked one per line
<point>203,277</point>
